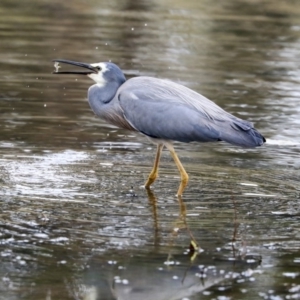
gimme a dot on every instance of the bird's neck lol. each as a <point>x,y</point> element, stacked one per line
<point>100,96</point>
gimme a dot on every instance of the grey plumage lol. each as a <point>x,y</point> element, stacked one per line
<point>163,110</point>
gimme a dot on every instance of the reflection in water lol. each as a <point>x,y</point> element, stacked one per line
<point>48,183</point>
<point>180,224</point>
<point>146,275</point>
<point>78,247</point>
<point>154,277</point>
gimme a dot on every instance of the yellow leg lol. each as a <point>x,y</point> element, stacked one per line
<point>183,174</point>
<point>154,172</point>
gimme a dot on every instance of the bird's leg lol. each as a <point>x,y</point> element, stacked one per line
<point>183,174</point>
<point>154,172</point>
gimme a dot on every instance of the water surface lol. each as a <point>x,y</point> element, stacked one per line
<point>75,221</point>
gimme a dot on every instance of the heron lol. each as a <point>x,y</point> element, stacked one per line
<point>162,110</point>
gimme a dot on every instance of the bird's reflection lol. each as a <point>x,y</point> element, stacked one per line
<point>156,274</point>
<point>153,204</point>
<point>151,277</point>
<point>144,274</point>
<point>179,225</point>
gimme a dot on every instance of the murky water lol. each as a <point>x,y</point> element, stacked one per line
<point>75,222</point>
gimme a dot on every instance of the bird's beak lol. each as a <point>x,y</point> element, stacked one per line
<point>74,63</point>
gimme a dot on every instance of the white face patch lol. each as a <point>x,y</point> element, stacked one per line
<point>98,78</point>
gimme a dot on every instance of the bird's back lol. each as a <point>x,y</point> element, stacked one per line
<point>167,110</point>
<point>154,88</point>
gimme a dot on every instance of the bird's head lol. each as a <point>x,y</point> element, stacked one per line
<point>102,73</point>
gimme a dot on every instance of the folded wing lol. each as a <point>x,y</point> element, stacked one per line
<point>166,110</point>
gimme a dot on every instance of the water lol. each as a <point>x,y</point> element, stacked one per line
<point>75,221</point>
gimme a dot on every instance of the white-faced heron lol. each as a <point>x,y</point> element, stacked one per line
<point>162,110</point>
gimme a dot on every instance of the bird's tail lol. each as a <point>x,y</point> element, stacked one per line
<point>242,133</point>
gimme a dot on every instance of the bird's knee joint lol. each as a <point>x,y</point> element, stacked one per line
<point>153,177</point>
<point>185,179</point>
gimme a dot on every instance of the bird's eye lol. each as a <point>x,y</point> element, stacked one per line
<point>99,68</point>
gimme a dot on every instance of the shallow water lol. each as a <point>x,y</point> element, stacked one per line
<point>76,222</point>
